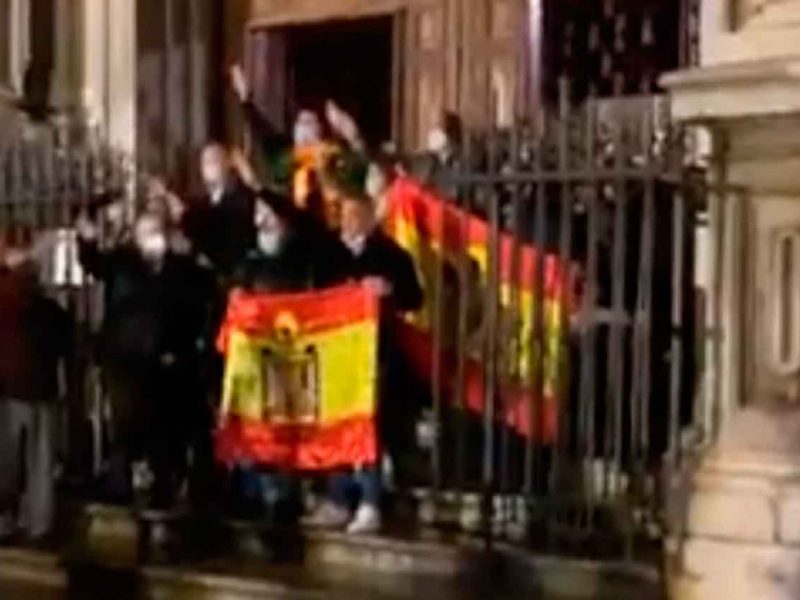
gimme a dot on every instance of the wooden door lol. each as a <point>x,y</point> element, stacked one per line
<point>426,71</point>
<point>266,66</point>
<point>494,47</point>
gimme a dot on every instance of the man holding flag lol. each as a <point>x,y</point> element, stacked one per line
<point>387,271</point>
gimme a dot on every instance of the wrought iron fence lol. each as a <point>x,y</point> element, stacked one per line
<point>614,375</point>
<point>49,176</point>
<point>629,348</point>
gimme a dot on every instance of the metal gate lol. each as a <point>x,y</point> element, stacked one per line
<point>612,192</point>
<point>49,176</point>
<point>606,190</point>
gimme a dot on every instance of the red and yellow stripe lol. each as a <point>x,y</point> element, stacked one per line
<point>433,229</point>
<point>341,326</point>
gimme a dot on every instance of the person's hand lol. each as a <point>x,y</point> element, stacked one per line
<point>86,229</point>
<point>239,82</point>
<point>343,124</point>
<point>244,168</point>
<point>378,286</point>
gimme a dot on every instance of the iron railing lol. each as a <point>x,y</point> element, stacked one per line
<point>608,189</point>
<point>605,189</point>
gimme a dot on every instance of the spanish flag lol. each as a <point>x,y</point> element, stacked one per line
<point>435,231</point>
<point>299,387</point>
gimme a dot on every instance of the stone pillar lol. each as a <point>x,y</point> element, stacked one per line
<point>65,89</point>
<point>739,527</point>
<point>108,97</point>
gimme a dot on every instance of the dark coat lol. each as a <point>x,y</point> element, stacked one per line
<point>290,270</point>
<point>150,314</point>
<point>223,232</point>
<point>383,258</point>
<point>312,257</point>
<point>36,336</point>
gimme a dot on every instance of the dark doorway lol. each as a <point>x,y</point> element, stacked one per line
<point>347,61</point>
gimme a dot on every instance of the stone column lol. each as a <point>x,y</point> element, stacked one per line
<point>108,97</point>
<point>739,530</point>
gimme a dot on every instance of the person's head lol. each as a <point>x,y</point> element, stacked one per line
<point>16,247</point>
<point>357,221</point>
<point>150,237</point>
<point>215,164</point>
<point>307,128</point>
<point>18,256</point>
<point>446,137</point>
<point>271,223</point>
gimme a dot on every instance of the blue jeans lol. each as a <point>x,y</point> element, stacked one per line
<point>363,485</point>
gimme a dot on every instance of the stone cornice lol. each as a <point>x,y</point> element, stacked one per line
<point>723,92</point>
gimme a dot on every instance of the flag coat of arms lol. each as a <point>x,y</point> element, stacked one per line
<point>299,388</point>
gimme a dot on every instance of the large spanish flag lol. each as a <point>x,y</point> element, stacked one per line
<point>300,379</point>
<point>434,230</point>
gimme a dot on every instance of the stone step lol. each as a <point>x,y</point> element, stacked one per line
<point>30,575</point>
<point>112,550</point>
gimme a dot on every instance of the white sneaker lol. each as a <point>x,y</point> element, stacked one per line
<point>366,521</point>
<point>327,516</point>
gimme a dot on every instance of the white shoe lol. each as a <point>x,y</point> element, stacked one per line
<point>327,516</point>
<point>366,521</point>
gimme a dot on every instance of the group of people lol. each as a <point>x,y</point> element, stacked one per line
<point>311,225</point>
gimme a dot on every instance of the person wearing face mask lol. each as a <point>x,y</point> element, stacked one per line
<point>34,345</point>
<point>279,263</point>
<point>388,270</point>
<point>218,225</point>
<point>288,258</point>
<point>442,160</point>
<point>155,325</point>
<point>297,164</point>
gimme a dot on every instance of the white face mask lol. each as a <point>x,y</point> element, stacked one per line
<point>376,183</point>
<point>307,130</point>
<point>153,246</point>
<point>215,176</point>
<point>269,242</point>
<point>355,243</point>
<point>438,142</point>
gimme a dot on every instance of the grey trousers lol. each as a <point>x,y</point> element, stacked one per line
<point>27,497</point>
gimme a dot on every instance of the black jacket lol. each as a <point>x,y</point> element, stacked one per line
<point>314,253</point>
<point>35,335</point>
<point>150,314</point>
<point>383,258</point>
<point>222,232</point>
<point>291,269</point>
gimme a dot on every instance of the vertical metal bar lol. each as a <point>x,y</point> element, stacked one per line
<point>490,352</point>
<point>437,378</point>
<point>511,324</point>
<point>587,391</point>
<point>619,272</point>
<point>537,342</point>
<point>676,349</point>
<point>565,291</point>
<point>644,310</point>
<point>464,302</point>
<point>517,331</point>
